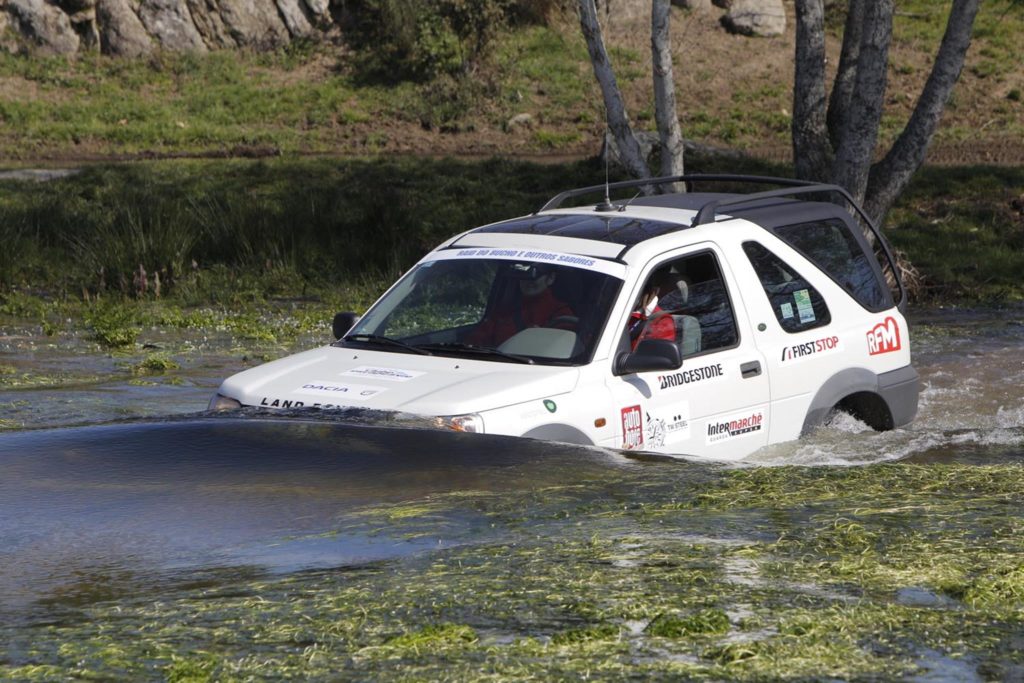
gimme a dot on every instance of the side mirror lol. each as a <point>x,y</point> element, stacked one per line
<point>343,322</point>
<point>650,355</point>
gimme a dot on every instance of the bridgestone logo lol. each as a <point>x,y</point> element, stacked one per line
<point>810,348</point>
<point>735,426</point>
<point>678,379</point>
<point>884,337</point>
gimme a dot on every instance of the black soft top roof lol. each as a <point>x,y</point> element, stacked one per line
<point>611,226</point>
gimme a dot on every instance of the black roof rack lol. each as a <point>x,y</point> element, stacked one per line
<point>708,212</point>
<point>556,201</point>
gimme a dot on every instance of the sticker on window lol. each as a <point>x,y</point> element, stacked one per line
<point>803,305</point>
<point>787,310</point>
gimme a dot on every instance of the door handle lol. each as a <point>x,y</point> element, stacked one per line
<point>751,369</point>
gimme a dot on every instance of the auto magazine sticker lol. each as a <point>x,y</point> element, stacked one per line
<point>387,374</point>
<point>632,427</point>
<point>817,347</point>
<point>735,426</point>
<point>683,377</point>
<point>556,258</point>
<point>346,392</point>
<point>884,337</point>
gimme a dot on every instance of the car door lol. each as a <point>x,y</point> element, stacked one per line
<point>717,404</point>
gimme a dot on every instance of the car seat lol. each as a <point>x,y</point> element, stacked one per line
<point>688,332</point>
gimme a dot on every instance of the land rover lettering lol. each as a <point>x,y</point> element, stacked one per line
<point>268,402</point>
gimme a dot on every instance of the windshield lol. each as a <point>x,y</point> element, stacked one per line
<point>492,309</point>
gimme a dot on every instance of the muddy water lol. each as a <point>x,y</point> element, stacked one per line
<point>173,532</point>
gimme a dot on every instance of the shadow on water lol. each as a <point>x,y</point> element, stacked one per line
<point>91,513</point>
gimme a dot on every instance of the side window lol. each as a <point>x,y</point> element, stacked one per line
<point>797,305</point>
<point>832,247</point>
<point>686,300</point>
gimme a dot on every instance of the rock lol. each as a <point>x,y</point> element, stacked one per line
<point>237,23</point>
<point>293,14</point>
<point>320,10</point>
<point>254,22</point>
<point>121,31</point>
<point>694,5</point>
<point>520,121</point>
<point>756,18</point>
<point>169,23</point>
<point>45,28</point>
<point>8,35</point>
<point>210,24</point>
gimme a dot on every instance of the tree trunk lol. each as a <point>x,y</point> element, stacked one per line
<point>665,95</point>
<point>618,123</point>
<point>810,138</point>
<point>854,154</point>
<point>842,89</point>
<point>890,176</point>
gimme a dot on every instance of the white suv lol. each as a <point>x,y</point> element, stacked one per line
<point>697,323</point>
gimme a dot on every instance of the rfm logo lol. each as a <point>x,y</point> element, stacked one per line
<point>884,337</point>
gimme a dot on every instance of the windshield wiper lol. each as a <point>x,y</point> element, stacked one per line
<point>479,350</point>
<point>385,341</point>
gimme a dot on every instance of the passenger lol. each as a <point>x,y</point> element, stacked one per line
<point>532,304</point>
<point>648,320</point>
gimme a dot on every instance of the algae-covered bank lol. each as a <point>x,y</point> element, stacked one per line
<point>194,547</point>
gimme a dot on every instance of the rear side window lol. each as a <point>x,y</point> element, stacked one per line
<point>832,247</point>
<point>797,305</point>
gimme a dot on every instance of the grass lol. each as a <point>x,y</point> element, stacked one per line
<point>311,98</point>
<point>960,229</point>
<point>235,234</point>
<point>744,575</point>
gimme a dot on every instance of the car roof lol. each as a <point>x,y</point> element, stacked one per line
<point>629,228</point>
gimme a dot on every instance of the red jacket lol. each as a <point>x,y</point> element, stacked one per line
<point>524,312</point>
<point>655,326</point>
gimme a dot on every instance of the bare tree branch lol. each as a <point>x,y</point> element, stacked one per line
<point>810,139</point>
<point>618,123</point>
<point>842,88</point>
<point>854,155</point>
<point>890,176</point>
<point>665,94</point>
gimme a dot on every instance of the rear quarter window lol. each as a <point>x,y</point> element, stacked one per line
<point>797,305</point>
<point>831,246</point>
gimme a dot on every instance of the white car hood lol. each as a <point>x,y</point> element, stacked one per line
<point>331,377</point>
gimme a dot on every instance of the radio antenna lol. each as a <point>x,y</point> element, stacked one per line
<point>606,205</point>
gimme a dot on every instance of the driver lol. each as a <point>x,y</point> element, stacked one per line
<point>532,304</point>
<point>648,320</point>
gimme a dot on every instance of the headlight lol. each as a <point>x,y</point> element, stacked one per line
<point>219,402</point>
<point>462,423</point>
